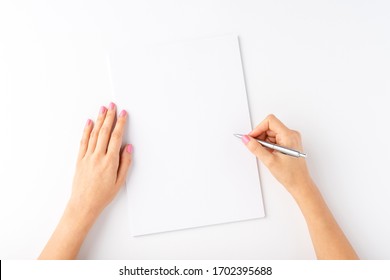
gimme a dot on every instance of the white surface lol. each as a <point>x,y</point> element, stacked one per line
<point>185,101</point>
<point>322,67</point>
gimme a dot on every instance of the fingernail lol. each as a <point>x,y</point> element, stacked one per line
<point>88,123</point>
<point>129,148</point>
<point>123,113</point>
<point>111,106</point>
<point>103,110</point>
<point>245,139</point>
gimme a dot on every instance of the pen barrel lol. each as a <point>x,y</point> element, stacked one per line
<point>286,151</point>
<point>282,150</point>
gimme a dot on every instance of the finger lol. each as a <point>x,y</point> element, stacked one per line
<point>85,139</point>
<point>115,143</point>
<point>106,129</point>
<point>96,129</point>
<point>266,134</point>
<point>259,151</point>
<point>125,162</point>
<point>271,133</point>
<point>271,139</point>
<point>262,136</point>
<point>271,123</point>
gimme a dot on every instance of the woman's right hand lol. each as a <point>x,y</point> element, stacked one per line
<point>328,239</point>
<point>290,171</point>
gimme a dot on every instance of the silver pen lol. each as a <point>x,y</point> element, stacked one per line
<point>283,150</point>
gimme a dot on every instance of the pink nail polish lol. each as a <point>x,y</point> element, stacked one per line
<point>123,113</point>
<point>88,122</point>
<point>103,110</point>
<point>129,148</point>
<point>111,106</point>
<point>245,139</point>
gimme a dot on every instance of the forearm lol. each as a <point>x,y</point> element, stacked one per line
<point>328,239</point>
<point>70,233</point>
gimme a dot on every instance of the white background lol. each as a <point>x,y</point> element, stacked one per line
<point>323,67</point>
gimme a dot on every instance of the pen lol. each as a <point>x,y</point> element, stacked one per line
<point>283,150</point>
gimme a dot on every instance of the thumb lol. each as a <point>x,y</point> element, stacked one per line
<point>124,164</point>
<point>259,151</point>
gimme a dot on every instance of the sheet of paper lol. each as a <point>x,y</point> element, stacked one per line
<point>185,100</point>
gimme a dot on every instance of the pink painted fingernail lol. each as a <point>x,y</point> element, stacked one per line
<point>129,148</point>
<point>111,106</point>
<point>88,123</point>
<point>245,139</point>
<point>123,113</point>
<point>103,110</point>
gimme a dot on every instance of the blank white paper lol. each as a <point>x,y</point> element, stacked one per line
<point>185,100</point>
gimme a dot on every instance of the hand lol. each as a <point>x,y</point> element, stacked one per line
<point>101,165</point>
<point>100,172</point>
<point>289,171</point>
<point>328,239</point>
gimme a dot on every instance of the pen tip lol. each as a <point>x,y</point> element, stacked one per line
<point>237,135</point>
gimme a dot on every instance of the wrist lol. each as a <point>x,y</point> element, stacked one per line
<point>81,215</point>
<point>303,189</point>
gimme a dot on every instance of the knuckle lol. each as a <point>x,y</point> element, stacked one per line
<point>104,130</point>
<point>83,142</point>
<point>271,117</point>
<point>250,146</point>
<point>296,134</point>
<point>116,136</point>
<point>112,157</point>
<point>256,150</point>
<point>93,134</point>
<point>120,122</point>
<point>110,115</point>
<point>100,119</point>
<point>96,157</point>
